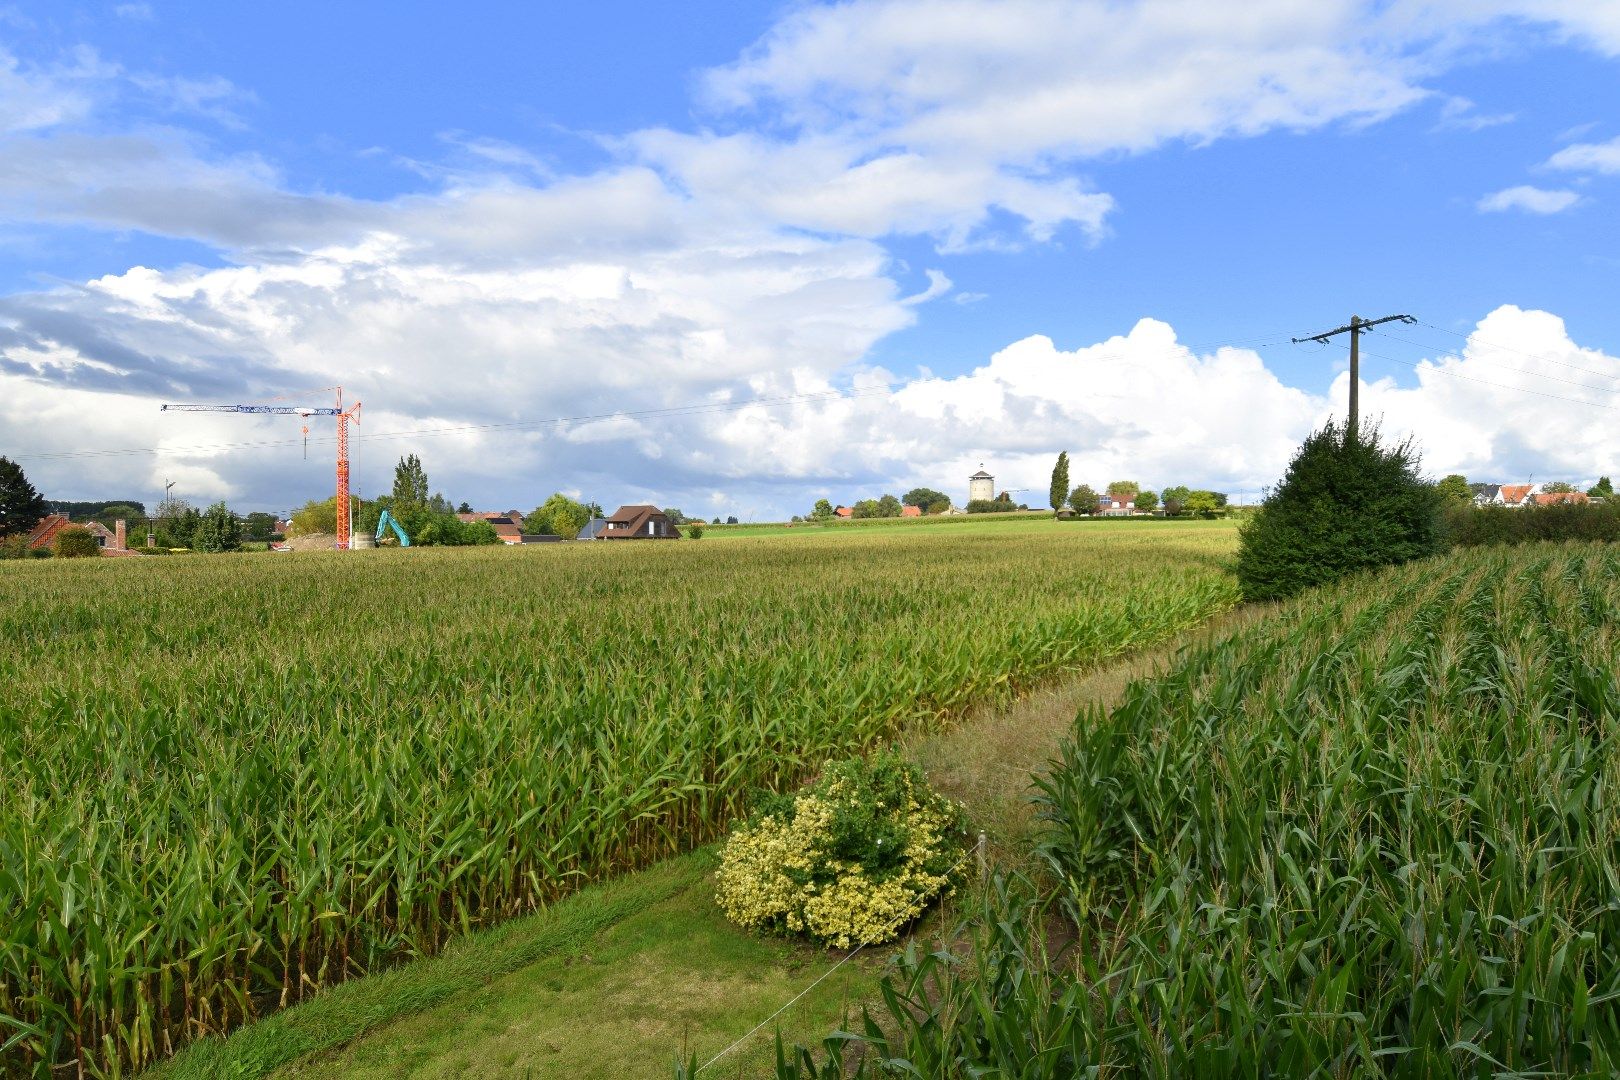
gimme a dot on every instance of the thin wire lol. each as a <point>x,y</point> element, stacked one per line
<point>1523,371</point>
<point>1521,352</point>
<point>681,410</point>
<point>718,406</point>
<point>1484,382</point>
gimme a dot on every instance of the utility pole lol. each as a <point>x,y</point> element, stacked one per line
<point>1354,328</point>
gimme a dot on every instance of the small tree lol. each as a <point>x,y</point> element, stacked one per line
<point>218,530</point>
<point>1557,487</point>
<point>731,519</point>
<point>1347,503</point>
<point>1060,481</point>
<point>1455,489</point>
<point>314,519</point>
<point>1202,504</point>
<point>694,530</point>
<point>888,506</point>
<point>410,485</point>
<point>675,516</point>
<point>866,508</point>
<point>1147,501</point>
<point>1124,490</point>
<point>558,516</point>
<point>1082,500</point>
<point>76,542</point>
<point>822,512</point>
<point>21,507</point>
<point>1602,489</point>
<point>464,508</point>
<point>260,526</point>
<point>923,498</point>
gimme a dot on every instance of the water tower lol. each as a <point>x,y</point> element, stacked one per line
<point>981,485</point>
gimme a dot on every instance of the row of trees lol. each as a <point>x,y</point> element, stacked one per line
<point>1456,488</point>
<point>1179,501</point>
<point>926,500</point>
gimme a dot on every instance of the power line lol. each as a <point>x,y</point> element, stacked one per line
<point>1354,328</point>
<point>640,414</point>
<point>1485,382</point>
<point>1521,352</point>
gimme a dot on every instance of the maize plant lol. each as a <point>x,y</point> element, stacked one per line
<point>231,781</point>
<point>1374,835</point>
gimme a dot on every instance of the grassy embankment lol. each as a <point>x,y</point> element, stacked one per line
<point>306,768</point>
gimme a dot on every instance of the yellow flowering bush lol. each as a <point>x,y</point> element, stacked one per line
<point>848,862</point>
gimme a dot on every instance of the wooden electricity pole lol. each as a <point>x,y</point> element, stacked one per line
<point>1354,328</point>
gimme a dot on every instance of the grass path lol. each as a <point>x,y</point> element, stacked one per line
<point>620,978</point>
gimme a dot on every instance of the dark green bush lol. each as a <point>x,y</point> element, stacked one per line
<point>1471,526</point>
<point>76,542</point>
<point>1346,504</point>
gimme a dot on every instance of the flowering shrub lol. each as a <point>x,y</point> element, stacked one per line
<point>848,862</point>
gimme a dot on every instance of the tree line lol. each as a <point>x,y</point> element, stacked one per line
<point>1178,501</point>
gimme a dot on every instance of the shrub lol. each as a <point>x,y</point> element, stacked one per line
<point>988,506</point>
<point>1471,526</point>
<point>76,542</point>
<point>695,529</point>
<point>848,862</point>
<point>1347,503</point>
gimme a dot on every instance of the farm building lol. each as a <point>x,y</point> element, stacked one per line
<point>911,511</point>
<point>112,541</point>
<point>638,523</point>
<point>845,512</point>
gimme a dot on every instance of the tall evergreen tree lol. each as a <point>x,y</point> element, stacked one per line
<point>410,485</point>
<point>1060,481</point>
<point>1347,503</point>
<point>21,506</point>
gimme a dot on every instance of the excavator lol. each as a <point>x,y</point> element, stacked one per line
<point>386,522</point>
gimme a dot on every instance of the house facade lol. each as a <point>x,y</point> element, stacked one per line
<point>112,541</point>
<point>638,522</point>
<point>1116,506</point>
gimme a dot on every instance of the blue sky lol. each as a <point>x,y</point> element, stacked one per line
<point>965,211</point>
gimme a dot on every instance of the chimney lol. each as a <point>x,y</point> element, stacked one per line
<point>118,535</point>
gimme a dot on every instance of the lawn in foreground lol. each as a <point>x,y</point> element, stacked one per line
<point>238,779</point>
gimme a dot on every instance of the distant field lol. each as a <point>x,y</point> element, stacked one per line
<point>231,780</point>
<point>1018,520</point>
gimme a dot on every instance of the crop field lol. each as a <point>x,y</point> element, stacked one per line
<point>231,780</point>
<point>1374,835</point>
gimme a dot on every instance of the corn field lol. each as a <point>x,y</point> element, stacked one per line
<point>1375,835</point>
<point>230,781</point>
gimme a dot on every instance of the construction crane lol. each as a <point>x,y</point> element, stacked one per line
<point>343,417</point>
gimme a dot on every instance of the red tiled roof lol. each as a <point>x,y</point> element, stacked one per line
<point>911,511</point>
<point>844,512</point>
<point>44,534</point>
<point>1514,494</point>
<point>1548,498</point>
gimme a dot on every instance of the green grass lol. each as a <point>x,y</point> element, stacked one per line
<point>262,777</point>
<point>614,980</point>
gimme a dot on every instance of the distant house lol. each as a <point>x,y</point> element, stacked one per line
<point>593,529</point>
<point>1485,494</point>
<point>1514,494</point>
<point>508,526</point>
<point>845,512</point>
<point>638,523</point>
<point>1115,506</point>
<point>112,541</point>
<point>1550,498</point>
<point>911,511</point>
